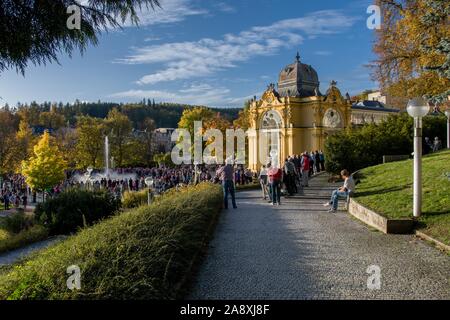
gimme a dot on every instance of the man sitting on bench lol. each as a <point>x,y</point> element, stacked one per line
<point>343,192</point>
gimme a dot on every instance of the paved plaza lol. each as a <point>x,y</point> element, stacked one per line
<point>300,251</point>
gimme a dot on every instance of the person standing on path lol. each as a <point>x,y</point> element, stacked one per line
<point>24,201</point>
<point>317,161</point>
<point>226,174</point>
<point>263,181</point>
<point>305,168</point>
<point>6,200</point>
<point>275,177</point>
<point>311,164</point>
<point>289,174</point>
<point>322,160</point>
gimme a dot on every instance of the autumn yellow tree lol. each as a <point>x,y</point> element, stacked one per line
<point>119,127</point>
<point>45,169</point>
<point>90,142</point>
<point>209,119</point>
<point>23,144</point>
<point>413,48</point>
<point>244,120</point>
<point>190,115</point>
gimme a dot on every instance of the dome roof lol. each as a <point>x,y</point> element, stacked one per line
<point>298,80</point>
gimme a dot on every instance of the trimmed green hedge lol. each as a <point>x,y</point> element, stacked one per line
<point>145,253</point>
<point>74,209</point>
<point>358,148</point>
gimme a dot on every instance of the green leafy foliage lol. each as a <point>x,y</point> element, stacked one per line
<point>163,159</point>
<point>10,241</point>
<point>18,230</point>
<point>75,208</point>
<point>17,222</point>
<point>145,253</point>
<point>134,199</point>
<point>358,148</point>
<point>40,33</point>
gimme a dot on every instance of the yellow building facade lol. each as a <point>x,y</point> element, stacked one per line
<point>296,117</point>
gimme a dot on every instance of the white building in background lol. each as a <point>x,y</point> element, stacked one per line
<point>370,111</point>
<point>388,101</point>
<point>162,140</point>
<point>376,96</point>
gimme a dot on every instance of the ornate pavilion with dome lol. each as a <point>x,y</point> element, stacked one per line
<point>295,116</point>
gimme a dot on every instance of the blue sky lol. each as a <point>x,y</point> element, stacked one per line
<point>208,52</point>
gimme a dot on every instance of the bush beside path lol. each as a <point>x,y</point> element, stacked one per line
<point>144,253</point>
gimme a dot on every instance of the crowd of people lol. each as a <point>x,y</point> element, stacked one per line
<point>293,175</point>
<point>14,192</point>
<point>163,177</point>
<point>296,171</point>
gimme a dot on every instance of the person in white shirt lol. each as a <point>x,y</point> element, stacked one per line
<point>343,192</point>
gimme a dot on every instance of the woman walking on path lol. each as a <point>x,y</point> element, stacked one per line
<point>275,176</point>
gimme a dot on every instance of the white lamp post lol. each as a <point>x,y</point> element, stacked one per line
<point>417,108</point>
<point>447,113</point>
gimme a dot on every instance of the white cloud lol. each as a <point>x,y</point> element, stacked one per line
<point>171,11</point>
<point>224,7</point>
<point>185,60</point>
<point>196,94</point>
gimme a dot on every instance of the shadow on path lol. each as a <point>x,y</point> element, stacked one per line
<point>300,251</point>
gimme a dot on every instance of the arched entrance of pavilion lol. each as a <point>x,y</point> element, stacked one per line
<point>270,137</point>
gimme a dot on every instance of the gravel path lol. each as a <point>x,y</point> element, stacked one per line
<point>15,255</point>
<point>300,251</point>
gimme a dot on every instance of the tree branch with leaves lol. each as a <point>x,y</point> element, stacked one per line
<point>36,30</point>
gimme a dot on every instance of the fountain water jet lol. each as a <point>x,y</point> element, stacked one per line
<point>92,177</point>
<point>106,157</point>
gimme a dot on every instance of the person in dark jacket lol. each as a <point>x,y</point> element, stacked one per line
<point>226,175</point>
<point>322,160</point>
<point>317,161</point>
<point>6,200</point>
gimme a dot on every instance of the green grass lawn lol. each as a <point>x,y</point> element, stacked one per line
<point>387,189</point>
